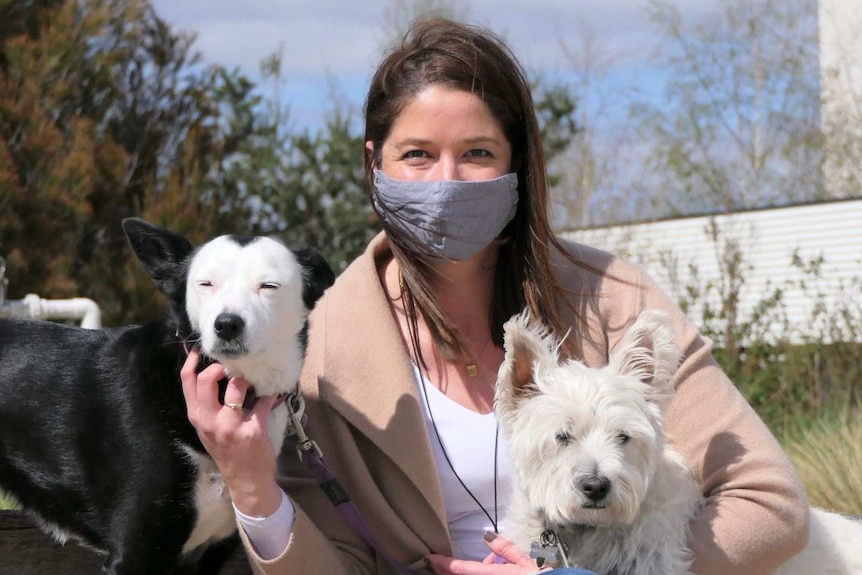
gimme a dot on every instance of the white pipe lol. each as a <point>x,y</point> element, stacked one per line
<point>34,307</point>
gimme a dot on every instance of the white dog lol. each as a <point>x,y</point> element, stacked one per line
<point>592,471</point>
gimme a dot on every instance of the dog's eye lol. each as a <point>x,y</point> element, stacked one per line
<point>564,437</point>
<point>623,438</point>
<point>269,285</point>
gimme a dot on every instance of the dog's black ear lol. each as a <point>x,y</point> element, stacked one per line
<point>162,252</point>
<point>317,275</point>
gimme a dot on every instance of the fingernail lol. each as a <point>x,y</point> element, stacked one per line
<point>490,536</point>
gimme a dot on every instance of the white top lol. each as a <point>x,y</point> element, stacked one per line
<point>468,439</point>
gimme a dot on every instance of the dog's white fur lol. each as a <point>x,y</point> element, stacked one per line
<point>215,516</point>
<point>568,425</point>
<point>261,282</point>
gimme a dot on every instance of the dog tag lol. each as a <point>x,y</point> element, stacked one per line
<point>550,549</point>
<point>543,553</point>
<point>545,549</point>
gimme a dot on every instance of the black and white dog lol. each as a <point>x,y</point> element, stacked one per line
<point>94,438</point>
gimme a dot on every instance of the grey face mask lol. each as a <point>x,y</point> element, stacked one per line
<point>453,219</point>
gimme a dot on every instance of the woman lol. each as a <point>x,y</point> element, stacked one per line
<point>404,349</point>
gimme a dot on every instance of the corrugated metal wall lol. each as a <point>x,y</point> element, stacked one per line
<point>688,252</point>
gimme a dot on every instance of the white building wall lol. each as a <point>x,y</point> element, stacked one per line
<point>682,252</point>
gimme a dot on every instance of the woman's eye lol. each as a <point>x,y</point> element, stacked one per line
<point>480,154</point>
<point>416,154</point>
<point>564,438</point>
<point>205,283</point>
<point>269,285</point>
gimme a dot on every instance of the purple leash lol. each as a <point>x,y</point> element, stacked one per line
<point>309,452</point>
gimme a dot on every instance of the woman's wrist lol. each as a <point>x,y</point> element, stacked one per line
<point>259,499</point>
<point>269,535</point>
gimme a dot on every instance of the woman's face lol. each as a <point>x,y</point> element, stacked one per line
<point>445,134</point>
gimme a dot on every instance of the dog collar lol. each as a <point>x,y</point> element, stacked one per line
<point>280,399</point>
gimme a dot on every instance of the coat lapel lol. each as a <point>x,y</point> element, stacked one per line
<point>368,377</point>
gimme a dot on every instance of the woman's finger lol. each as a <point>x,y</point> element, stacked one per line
<point>189,378</point>
<point>443,565</point>
<point>207,387</point>
<point>505,549</point>
<point>234,394</point>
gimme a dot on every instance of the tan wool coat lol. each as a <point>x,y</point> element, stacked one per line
<point>364,412</point>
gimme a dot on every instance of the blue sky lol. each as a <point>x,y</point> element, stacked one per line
<point>334,44</point>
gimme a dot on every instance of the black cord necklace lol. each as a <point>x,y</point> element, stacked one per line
<point>420,365</point>
<point>494,520</point>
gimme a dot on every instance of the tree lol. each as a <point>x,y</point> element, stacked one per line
<point>104,113</point>
<point>555,110</point>
<point>739,124</point>
<point>591,165</point>
<point>307,188</point>
<point>840,26</point>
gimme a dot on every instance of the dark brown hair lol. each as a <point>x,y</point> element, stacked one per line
<point>442,52</point>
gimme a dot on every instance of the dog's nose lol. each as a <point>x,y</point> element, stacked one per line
<point>595,487</point>
<point>228,326</point>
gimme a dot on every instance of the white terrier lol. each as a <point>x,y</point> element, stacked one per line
<point>593,475</point>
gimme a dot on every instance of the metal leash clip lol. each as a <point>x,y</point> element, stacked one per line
<point>295,410</point>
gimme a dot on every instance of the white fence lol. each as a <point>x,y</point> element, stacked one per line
<point>690,253</point>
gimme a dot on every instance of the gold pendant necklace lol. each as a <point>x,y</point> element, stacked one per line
<point>472,368</point>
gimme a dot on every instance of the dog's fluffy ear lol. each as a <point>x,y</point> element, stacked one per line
<point>317,275</point>
<point>529,346</point>
<point>648,352</point>
<point>163,253</point>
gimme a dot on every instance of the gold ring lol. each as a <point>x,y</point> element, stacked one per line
<point>234,406</point>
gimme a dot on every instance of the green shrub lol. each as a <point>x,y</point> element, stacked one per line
<point>795,386</point>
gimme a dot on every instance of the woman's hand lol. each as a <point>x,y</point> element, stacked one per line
<point>237,440</point>
<point>515,561</point>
